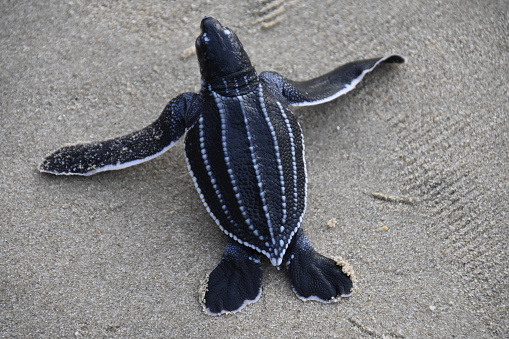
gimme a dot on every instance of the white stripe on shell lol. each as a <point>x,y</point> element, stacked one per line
<point>202,197</point>
<point>305,178</point>
<point>222,113</point>
<point>225,85</point>
<point>295,177</point>
<point>275,262</point>
<point>195,181</point>
<point>236,87</point>
<point>278,156</point>
<point>229,167</point>
<point>344,90</point>
<point>294,158</point>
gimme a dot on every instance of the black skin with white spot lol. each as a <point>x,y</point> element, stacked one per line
<point>245,153</point>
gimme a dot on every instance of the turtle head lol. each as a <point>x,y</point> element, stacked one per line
<point>220,52</point>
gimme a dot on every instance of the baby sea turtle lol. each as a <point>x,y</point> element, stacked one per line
<point>245,153</point>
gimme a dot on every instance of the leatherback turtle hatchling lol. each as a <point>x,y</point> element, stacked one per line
<point>245,153</point>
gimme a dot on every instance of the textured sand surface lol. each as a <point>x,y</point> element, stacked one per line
<point>412,165</point>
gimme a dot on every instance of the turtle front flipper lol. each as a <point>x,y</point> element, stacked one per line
<point>326,87</point>
<point>314,276</point>
<point>128,150</point>
<point>235,282</point>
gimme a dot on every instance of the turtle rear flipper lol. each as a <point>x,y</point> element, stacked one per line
<point>314,276</point>
<point>128,150</point>
<point>235,282</point>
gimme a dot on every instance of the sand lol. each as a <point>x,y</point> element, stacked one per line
<point>412,165</point>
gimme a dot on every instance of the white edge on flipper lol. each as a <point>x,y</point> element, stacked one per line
<point>203,291</point>
<point>315,298</point>
<point>348,87</point>
<point>116,167</point>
